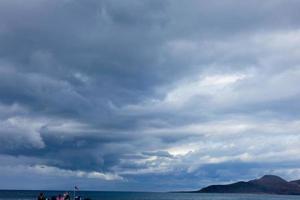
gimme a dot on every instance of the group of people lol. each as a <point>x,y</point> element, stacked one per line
<point>65,196</point>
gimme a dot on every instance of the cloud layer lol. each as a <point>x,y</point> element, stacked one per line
<point>147,95</point>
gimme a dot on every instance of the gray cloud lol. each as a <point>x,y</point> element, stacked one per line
<point>147,95</point>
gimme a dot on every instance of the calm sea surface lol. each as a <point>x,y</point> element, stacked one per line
<point>30,195</point>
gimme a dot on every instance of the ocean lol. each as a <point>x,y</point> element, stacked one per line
<point>31,195</point>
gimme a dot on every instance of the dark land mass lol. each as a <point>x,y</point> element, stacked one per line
<point>268,184</point>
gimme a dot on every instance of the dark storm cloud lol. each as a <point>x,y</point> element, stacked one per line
<point>153,92</point>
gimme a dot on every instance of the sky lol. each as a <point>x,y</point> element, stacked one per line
<point>148,95</point>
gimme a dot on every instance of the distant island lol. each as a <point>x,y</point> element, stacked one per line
<point>268,184</point>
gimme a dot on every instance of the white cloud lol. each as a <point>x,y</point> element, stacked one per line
<point>54,171</point>
<point>19,131</point>
<point>206,86</point>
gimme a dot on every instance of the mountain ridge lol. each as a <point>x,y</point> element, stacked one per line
<point>267,184</point>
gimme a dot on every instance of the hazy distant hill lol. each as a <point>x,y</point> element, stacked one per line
<point>296,181</point>
<point>268,184</point>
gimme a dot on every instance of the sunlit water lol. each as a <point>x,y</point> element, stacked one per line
<point>31,195</point>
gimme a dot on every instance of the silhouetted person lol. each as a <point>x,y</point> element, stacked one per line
<point>78,198</point>
<point>67,196</point>
<point>41,196</point>
<point>60,197</point>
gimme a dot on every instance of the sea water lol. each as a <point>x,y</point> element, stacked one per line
<point>32,195</point>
